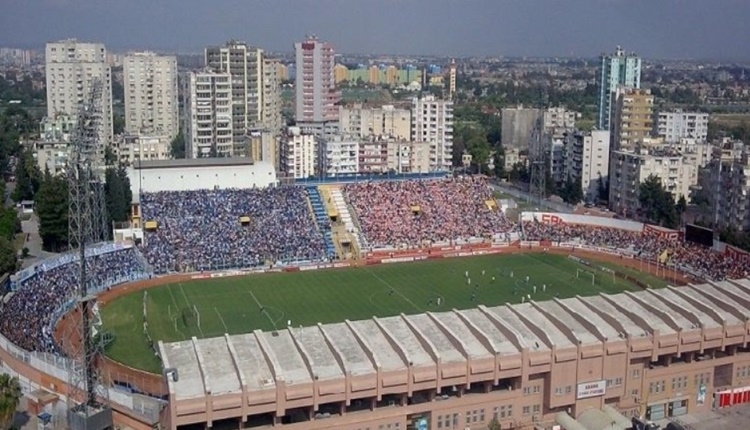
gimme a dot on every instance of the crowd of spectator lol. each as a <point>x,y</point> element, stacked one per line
<point>201,230</point>
<point>27,318</point>
<point>451,209</point>
<point>648,245</point>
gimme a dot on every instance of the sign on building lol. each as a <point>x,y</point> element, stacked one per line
<point>591,389</point>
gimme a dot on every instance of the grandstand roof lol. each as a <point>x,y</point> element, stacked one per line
<point>330,351</point>
<point>192,162</point>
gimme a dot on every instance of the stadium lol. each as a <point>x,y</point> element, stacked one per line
<point>233,301</point>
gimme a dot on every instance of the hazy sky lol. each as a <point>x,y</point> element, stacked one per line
<point>716,29</point>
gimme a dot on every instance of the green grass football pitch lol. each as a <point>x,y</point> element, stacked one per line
<point>205,308</point>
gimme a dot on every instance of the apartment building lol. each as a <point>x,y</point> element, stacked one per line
<point>373,154</point>
<point>673,126</point>
<point>150,83</point>
<point>586,156</point>
<point>558,120</point>
<point>58,128</point>
<point>725,183</point>
<point>630,169</point>
<point>408,157</point>
<point>374,121</point>
<point>263,146</point>
<point>432,122</point>
<point>271,117</point>
<point>517,124</point>
<point>298,154</point>
<point>244,65</point>
<point>208,115</point>
<point>616,70</point>
<point>339,156</point>
<point>52,155</point>
<point>632,119</point>
<point>71,69</point>
<point>315,87</point>
<point>133,148</point>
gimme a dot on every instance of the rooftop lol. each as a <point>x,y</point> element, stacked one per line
<point>329,351</point>
<point>192,162</point>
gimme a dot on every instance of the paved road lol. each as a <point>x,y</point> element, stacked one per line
<point>523,196</point>
<point>34,241</point>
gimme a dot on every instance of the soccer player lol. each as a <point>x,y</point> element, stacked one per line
<point>544,287</point>
<point>534,289</point>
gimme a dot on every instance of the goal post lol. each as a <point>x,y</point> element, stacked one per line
<point>580,272</point>
<point>197,317</point>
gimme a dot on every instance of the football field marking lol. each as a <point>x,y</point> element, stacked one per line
<point>388,284</point>
<point>263,309</point>
<point>226,330</point>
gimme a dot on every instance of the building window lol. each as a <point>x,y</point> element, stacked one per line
<point>537,409</point>
<point>568,389</point>
<point>537,389</point>
<point>558,391</point>
<point>636,373</point>
<point>526,411</point>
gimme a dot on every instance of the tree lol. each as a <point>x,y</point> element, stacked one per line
<point>8,256</point>
<point>681,205</point>
<point>479,150</point>
<point>519,173</point>
<point>27,178</point>
<point>499,162</point>
<point>10,225</point>
<point>494,424</point>
<point>117,194</point>
<point>657,204</point>
<point>550,187</point>
<point>603,189</point>
<point>177,146</point>
<point>52,210</point>
<point>10,397</point>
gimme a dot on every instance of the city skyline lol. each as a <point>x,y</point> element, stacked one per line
<point>668,29</point>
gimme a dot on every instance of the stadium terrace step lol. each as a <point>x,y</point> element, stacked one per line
<point>339,202</point>
<point>321,217</point>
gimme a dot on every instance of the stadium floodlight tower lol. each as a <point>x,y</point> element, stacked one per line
<point>537,164</point>
<point>88,399</point>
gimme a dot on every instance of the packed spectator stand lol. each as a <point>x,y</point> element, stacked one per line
<point>413,213</point>
<point>28,318</point>
<point>681,254</point>
<point>201,230</point>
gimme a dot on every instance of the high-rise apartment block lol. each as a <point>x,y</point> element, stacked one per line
<point>615,71</point>
<point>725,184</point>
<point>432,122</point>
<point>298,154</point>
<point>271,118</point>
<point>387,120</point>
<point>71,69</point>
<point>452,80</point>
<point>151,105</point>
<point>633,118</point>
<point>673,126</point>
<point>316,95</point>
<point>244,65</point>
<point>208,119</point>
<point>586,156</point>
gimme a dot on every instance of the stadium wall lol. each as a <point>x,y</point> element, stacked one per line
<point>563,218</point>
<point>187,178</point>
